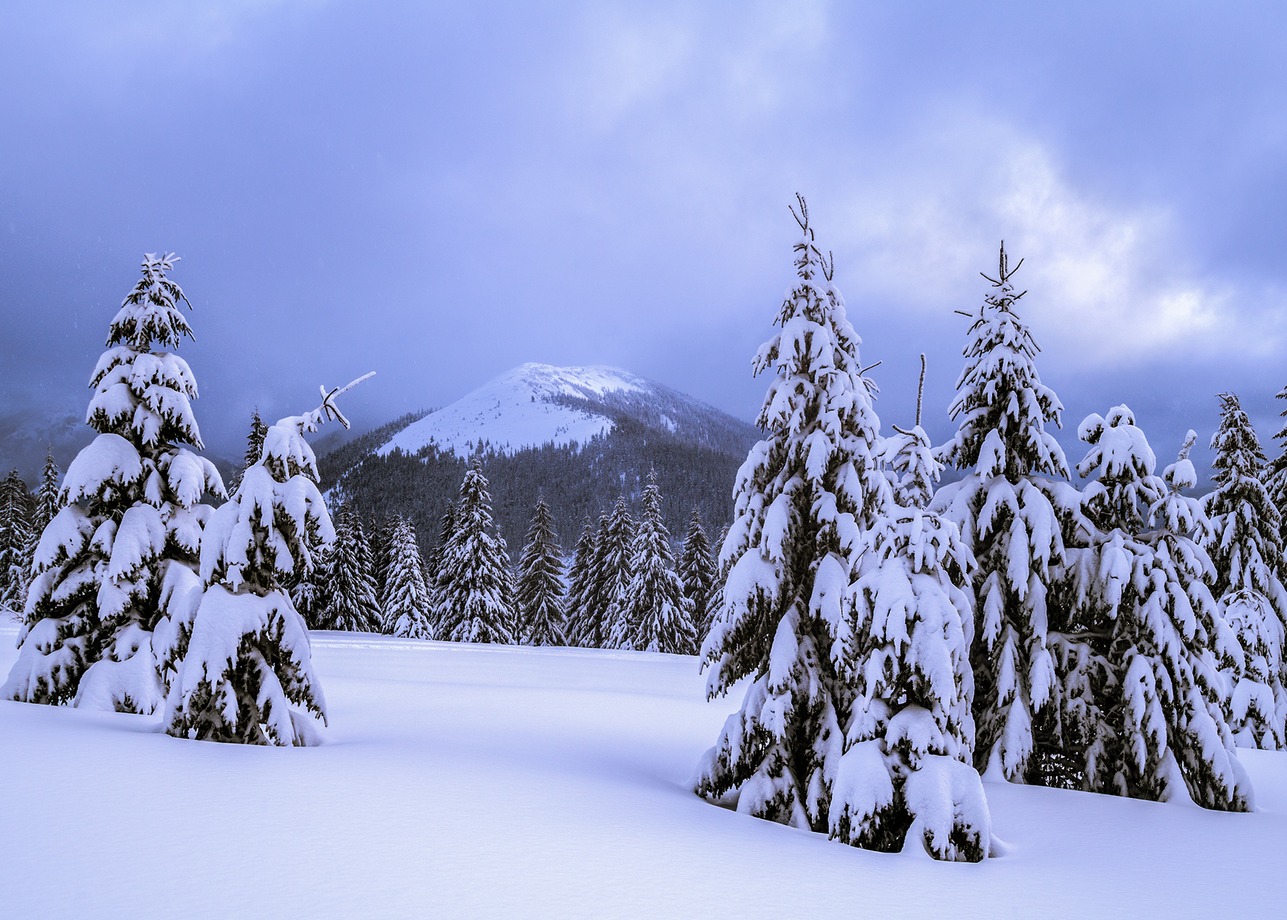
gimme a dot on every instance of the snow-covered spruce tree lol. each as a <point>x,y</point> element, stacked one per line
<point>382,533</point>
<point>15,536</point>
<point>1275,477</point>
<point>1012,511</point>
<point>1248,559</point>
<point>436,574</point>
<point>45,507</point>
<point>478,593</point>
<point>539,592</point>
<point>244,670</point>
<point>697,572</point>
<point>804,497</point>
<point>307,585</point>
<point>612,571</point>
<point>1163,705</point>
<point>581,581</point>
<point>121,557</point>
<point>908,771</point>
<point>656,616</point>
<point>254,444</point>
<point>406,598</point>
<point>352,601</point>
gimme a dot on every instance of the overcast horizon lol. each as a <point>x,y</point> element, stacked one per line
<point>441,192</point>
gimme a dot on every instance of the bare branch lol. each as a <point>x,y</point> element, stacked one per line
<point>920,391</point>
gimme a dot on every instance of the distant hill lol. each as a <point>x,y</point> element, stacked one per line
<point>579,436</point>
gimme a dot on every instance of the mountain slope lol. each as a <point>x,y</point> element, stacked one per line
<point>579,436</point>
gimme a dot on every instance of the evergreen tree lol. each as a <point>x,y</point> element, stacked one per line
<point>803,499</point>
<point>1275,476</point>
<point>436,573</point>
<point>243,664</point>
<point>307,585</point>
<point>581,622</point>
<point>478,594</point>
<point>905,646</point>
<point>254,443</point>
<point>1012,512</point>
<point>697,572</point>
<point>539,596</point>
<point>15,536</point>
<point>1166,731</point>
<point>45,507</point>
<point>1248,558</point>
<point>121,556</point>
<point>382,535</point>
<point>352,599</point>
<point>655,614</point>
<point>406,598</point>
<point>612,572</point>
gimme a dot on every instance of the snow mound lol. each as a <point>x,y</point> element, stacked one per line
<point>525,407</point>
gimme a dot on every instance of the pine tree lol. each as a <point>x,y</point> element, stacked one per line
<point>803,499</point>
<point>655,614</point>
<point>352,600</point>
<point>436,574</point>
<point>243,664</point>
<point>478,594</point>
<point>1275,477</point>
<point>121,557</point>
<point>539,595</point>
<point>406,598</point>
<point>1248,558</point>
<point>1011,510</point>
<point>382,535</point>
<point>15,536</point>
<point>1166,731</point>
<point>254,444</point>
<point>45,507</point>
<point>581,622</point>
<point>612,572</point>
<point>697,571</point>
<point>908,768</point>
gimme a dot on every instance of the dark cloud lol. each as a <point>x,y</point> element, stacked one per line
<point>443,191</point>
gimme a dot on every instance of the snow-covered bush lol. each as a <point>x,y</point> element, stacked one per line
<point>241,654</point>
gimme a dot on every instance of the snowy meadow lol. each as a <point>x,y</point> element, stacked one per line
<point>486,781</point>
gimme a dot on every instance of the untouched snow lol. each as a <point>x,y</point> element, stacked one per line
<point>484,781</point>
<point>514,411</point>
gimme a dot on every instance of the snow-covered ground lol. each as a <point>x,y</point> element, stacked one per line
<point>480,781</point>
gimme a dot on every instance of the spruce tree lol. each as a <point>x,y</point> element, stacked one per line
<point>1275,477</point>
<point>254,444</point>
<point>352,601</point>
<point>45,507</point>
<point>15,537</point>
<point>242,660</point>
<point>1011,509</point>
<point>1248,558</point>
<point>1166,731</point>
<point>121,557</point>
<point>436,574</point>
<point>478,592</point>
<point>655,614</point>
<point>612,572</point>
<point>697,572</point>
<point>908,768</point>
<point>581,622</point>
<point>406,598</point>
<point>803,499</point>
<point>539,594</point>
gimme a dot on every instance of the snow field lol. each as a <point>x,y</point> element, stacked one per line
<point>494,781</point>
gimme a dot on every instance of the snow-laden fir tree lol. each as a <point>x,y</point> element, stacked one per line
<point>15,537</point>
<point>478,591</point>
<point>381,550</point>
<point>803,499</point>
<point>45,507</point>
<point>697,572</point>
<point>539,592</point>
<point>1248,558</point>
<point>1011,509</point>
<point>254,444</point>
<point>244,669</point>
<point>581,623</point>
<point>121,557</point>
<point>1166,732</point>
<point>907,777</point>
<point>352,599</point>
<point>612,571</point>
<point>406,598</point>
<point>655,615</point>
<point>307,585</point>
<point>436,574</point>
<point>1275,476</point>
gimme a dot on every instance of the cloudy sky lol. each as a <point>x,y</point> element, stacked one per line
<point>441,191</point>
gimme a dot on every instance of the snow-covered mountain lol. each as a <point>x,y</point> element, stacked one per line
<point>579,436</point>
<point>539,405</point>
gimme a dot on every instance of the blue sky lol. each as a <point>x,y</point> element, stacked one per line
<point>440,192</point>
